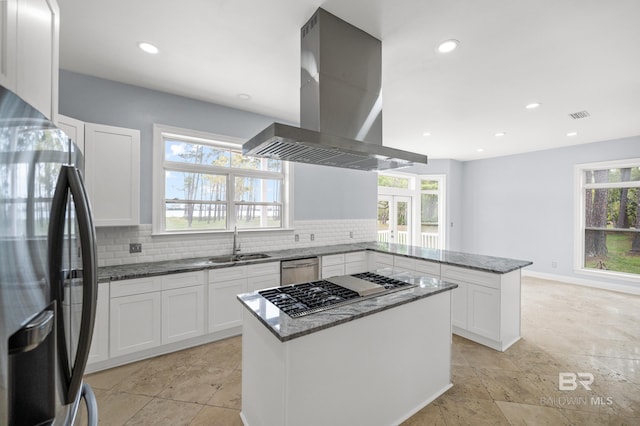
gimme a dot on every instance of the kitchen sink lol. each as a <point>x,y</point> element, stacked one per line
<point>237,257</point>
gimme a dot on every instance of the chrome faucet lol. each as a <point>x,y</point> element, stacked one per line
<point>236,244</point>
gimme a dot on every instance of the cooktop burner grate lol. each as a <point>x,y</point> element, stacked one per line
<point>303,299</point>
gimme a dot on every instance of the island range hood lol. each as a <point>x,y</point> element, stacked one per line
<point>340,104</point>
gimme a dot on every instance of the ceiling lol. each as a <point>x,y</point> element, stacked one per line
<point>568,55</point>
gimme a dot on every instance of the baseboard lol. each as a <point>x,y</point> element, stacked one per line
<point>620,288</point>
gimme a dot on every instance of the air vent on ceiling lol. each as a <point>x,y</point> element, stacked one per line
<point>579,114</point>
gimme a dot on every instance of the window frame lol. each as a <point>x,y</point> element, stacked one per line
<point>161,132</point>
<point>580,215</point>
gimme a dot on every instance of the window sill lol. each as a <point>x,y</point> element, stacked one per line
<point>220,232</point>
<point>609,274</point>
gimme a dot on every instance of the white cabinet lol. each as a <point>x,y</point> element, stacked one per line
<point>263,275</point>
<point>147,312</point>
<point>183,306</point>
<point>356,262</point>
<point>224,285</point>
<point>483,314</point>
<point>135,316</point>
<point>381,260</point>
<point>73,128</point>
<point>459,305</point>
<point>485,307</point>
<point>100,342</point>
<point>332,265</point>
<point>112,174</point>
<point>402,263</point>
<point>428,268</point>
<point>29,52</point>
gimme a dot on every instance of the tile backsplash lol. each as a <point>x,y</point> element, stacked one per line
<point>113,242</point>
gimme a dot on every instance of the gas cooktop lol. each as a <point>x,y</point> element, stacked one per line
<point>303,299</point>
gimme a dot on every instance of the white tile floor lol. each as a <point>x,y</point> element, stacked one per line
<point>565,328</point>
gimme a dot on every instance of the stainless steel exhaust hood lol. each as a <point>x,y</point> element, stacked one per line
<point>340,104</point>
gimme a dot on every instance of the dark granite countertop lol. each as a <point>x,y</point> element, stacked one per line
<point>496,265</point>
<point>286,328</point>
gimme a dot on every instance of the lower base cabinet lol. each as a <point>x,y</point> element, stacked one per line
<point>485,307</point>
<point>182,313</point>
<point>224,309</point>
<point>100,342</point>
<point>135,323</point>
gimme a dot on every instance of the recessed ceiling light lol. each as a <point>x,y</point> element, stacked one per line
<point>532,105</point>
<point>244,96</point>
<point>148,47</point>
<point>448,46</point>
<point>480,150</point>
<point>500,134</point>
<point>572,134</point>
<point>426,134</point>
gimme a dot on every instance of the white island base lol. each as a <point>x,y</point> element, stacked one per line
<point>375,370</point>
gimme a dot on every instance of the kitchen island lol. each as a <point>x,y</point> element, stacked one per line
<point>375,362</point>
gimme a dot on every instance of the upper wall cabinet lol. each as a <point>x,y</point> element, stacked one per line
<point>29,52</point>
<point>112,174</point>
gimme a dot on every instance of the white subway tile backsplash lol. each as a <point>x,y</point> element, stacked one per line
<point>113,243</point>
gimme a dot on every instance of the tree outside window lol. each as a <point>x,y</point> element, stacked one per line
<point>611,217</point>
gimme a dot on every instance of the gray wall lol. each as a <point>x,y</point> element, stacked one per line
<point>338,194</point>
<point>522,206</point>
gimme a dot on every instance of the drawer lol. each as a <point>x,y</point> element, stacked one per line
<point>487,279</point>
<point>405,263</point>
<point>264,281</point>
<point>135,286</point>
<point>431,268</point>
<point>358,256</point>
<point>332,270</point>
<point>334,259</point>
<point>383,259</point>
<point>259,269</point>
<point>227,274</point>
<point>186,279</point>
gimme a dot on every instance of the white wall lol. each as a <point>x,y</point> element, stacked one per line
<point>522,206</point>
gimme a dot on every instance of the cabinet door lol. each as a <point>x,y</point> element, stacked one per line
<point>37,54</point>
<point>182,313</point>
<point>382,260</point>
<point>484,311</point>
<point>266,281</point>
<point>112,172</point>
<point>100,342</point>
<point>225,311</point>
<point>8,62</point>
<point>73,128</point>
<point>459,306</point>
<point>134,323</point>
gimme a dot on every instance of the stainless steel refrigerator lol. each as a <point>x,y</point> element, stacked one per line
<point>48,283</point>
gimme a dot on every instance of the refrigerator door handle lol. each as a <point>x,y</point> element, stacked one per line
<point>87,235</point>
<point>70,181</point>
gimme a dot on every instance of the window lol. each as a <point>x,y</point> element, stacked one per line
<point>205,184</point>
<point>608,231</point>
<point>411,209</point>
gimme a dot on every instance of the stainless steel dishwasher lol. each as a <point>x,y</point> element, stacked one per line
<point>299,271</point>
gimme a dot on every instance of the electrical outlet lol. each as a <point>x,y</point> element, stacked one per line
<point>297,237</point>
<point>135,248</point>
<point>350,234</point>
<point>313,237</point>
<point>554,264</point>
